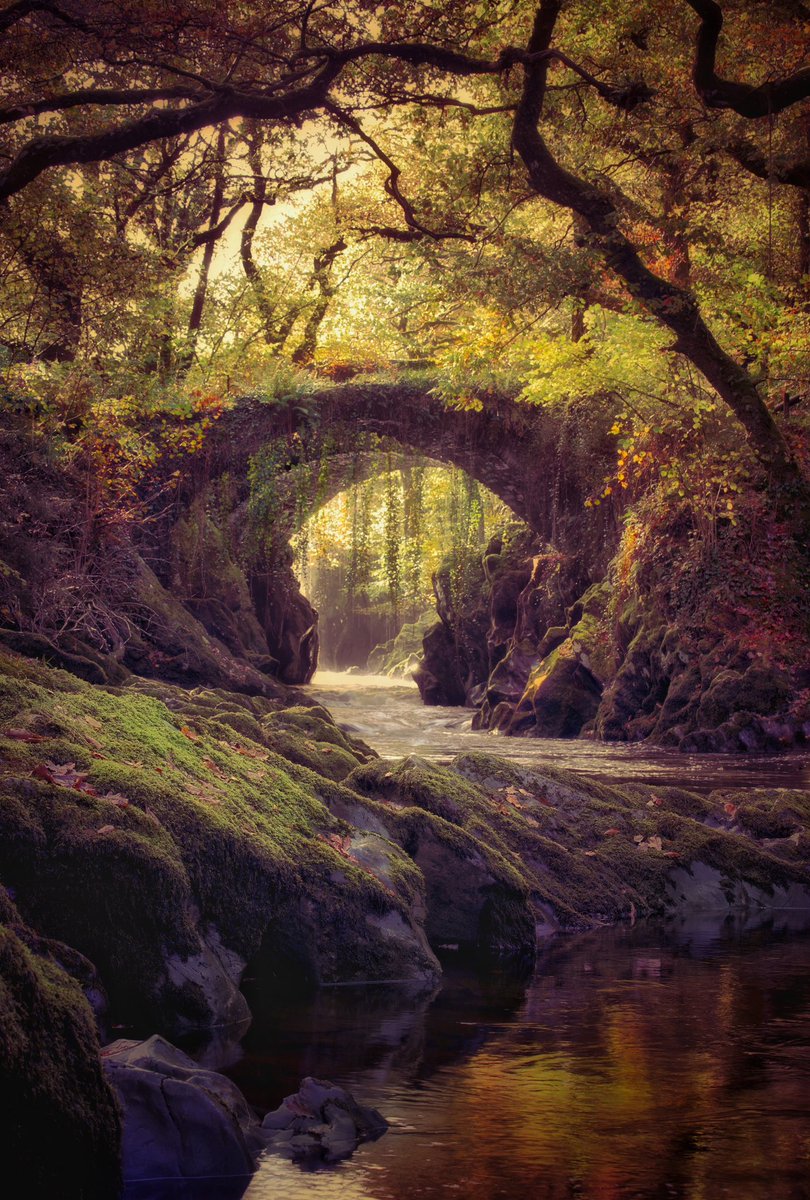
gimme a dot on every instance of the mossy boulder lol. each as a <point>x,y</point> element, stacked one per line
<point>60,1119</point>
<point>593,852</point>
<point>308,735</point>
<point>163,845</point>
<point>401,655</point>
<point>476,895</point>
<point>562,694</point>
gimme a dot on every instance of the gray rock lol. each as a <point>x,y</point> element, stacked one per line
<point>215,972</point>
<point>321,1121</point>
<point>180,1121</point>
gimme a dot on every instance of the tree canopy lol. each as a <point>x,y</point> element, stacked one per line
<point>575,201</point>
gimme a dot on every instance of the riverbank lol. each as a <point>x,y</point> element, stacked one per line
<point>159,843</point>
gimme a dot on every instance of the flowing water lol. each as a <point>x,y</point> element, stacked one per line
<point>389,715</point>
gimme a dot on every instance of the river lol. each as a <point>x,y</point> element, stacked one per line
<point>653,1063</point>
<point>664,1061</point>
<point>389,715</point>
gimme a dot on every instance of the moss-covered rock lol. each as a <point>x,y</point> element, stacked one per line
<point>401,655</point>
<point>593,852</point>
<point>562,695</point>
<point>476,895</point>
<point>60,1119</point>
<point>161,842</point>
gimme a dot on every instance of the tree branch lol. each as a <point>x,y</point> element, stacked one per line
<point>675,307</point>
<point>392,182</point>
<point>795,172</point>
<point>95,96</point>
<point>749,100</point>
<point>17,12</point>
<point>59,151</point>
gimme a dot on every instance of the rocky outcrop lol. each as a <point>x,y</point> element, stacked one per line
<point>401,656</point>
<point>646,653</point>
<point>454,649</point>
<point>172,845</point>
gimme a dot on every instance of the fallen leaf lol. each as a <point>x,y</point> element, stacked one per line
<point>214,769</point>
<point>61,770</point>
<point>730,808</point>
<point>245,751</point>
<point>106,829</point>
<point>189,733</point>
<point>611,833</point>
<point>651,843</point>
<point>589,853</point>
<point>64,775</point>
<point>655,802</point>
<point>115,798</point>
<point>95,744</point>
<point>672,854</point>
<point>93,723</point>
<point>24,735</point>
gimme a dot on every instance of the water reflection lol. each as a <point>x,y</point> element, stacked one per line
<point>649,1062</point>
<point>389,715</point>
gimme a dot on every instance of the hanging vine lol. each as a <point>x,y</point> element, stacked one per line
<point>392,538</point>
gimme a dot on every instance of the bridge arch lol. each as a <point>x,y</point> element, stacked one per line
<point>518,452</point>
<point>534,461</point>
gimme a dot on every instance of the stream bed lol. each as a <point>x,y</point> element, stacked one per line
<point>389,715</point>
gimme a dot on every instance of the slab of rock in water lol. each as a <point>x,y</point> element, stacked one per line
<point>321,1121</point>
<point>181,1121</point>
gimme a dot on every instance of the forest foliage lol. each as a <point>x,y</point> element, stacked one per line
<point>598,208</point>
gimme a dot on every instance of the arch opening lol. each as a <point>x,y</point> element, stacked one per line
<point>368,557</point>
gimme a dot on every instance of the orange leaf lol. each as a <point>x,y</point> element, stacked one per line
<point>189,733</point>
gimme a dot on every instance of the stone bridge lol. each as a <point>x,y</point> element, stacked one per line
<point>522,454</point>
<point>540,465</point>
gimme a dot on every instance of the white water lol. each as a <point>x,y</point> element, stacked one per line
<point>389,715</point>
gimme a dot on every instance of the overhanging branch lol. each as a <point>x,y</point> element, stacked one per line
<point>749,100</point>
